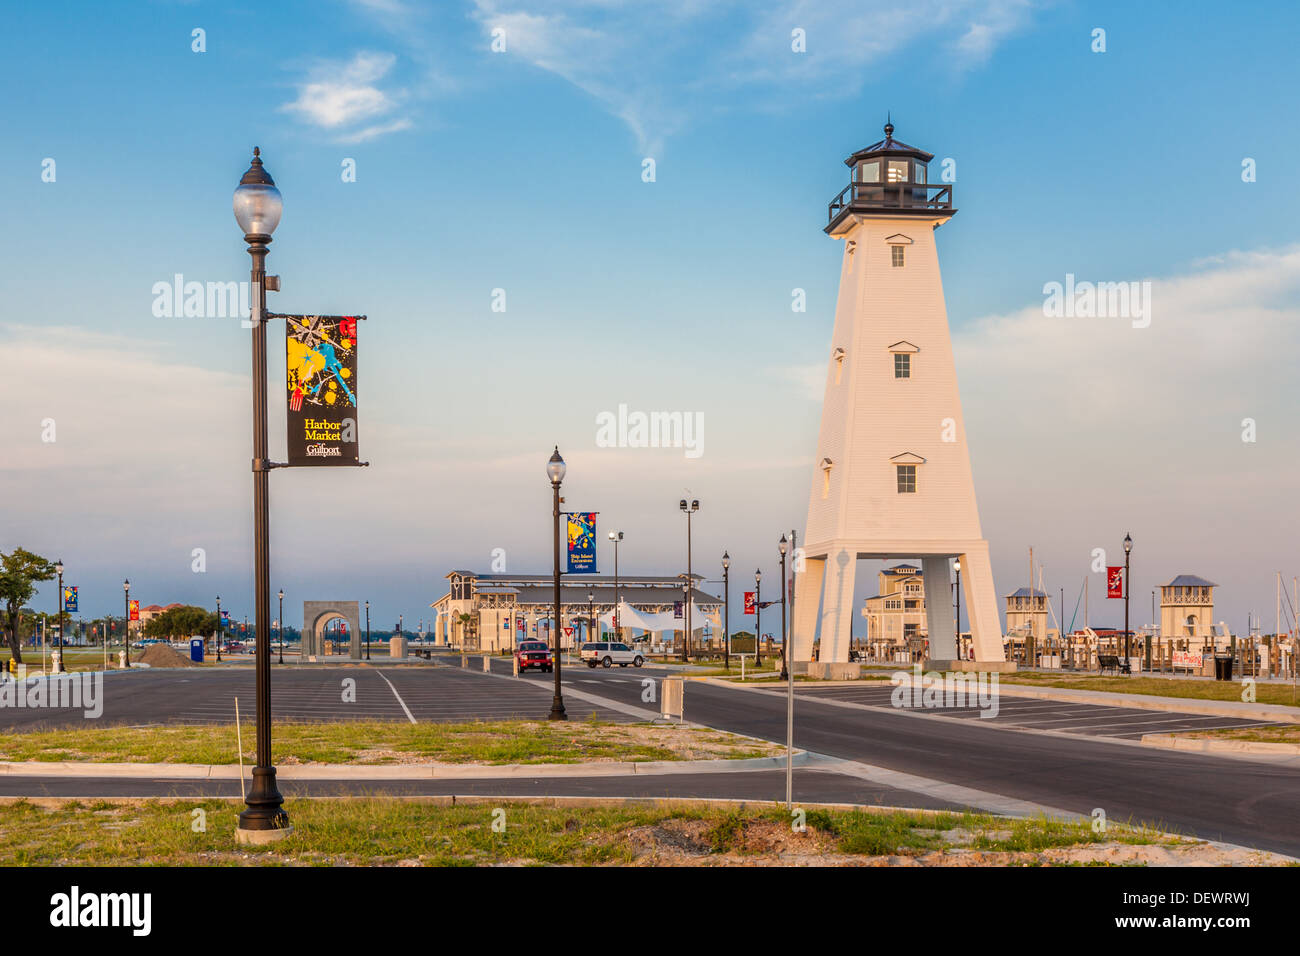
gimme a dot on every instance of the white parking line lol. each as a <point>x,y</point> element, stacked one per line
<point>409,715</point>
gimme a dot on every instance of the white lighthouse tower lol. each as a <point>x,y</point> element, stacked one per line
<point>892,477</point>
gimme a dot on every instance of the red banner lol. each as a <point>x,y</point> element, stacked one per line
<point>135,610</point>
<point>1114,582</point>
<point>750,605</point>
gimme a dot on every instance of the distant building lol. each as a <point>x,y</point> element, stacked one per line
<point>896,615</point>
<point>493,611</point>
<point>1027,611</point>
<point>1187,610</point>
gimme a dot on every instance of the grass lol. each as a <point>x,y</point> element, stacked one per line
<point>1159,686</point>
<point>379,742</point>
<point>1281,734</point>
<point>371,831</point>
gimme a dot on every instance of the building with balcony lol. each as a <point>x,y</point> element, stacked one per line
<point>1187,611</point>
<point>895,616</point>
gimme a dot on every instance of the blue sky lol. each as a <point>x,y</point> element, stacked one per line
<point>522,170</point>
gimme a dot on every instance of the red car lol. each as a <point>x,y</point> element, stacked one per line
<point>534,654</point>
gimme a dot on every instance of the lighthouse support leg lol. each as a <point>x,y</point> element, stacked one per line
<point>981,603</point>
<point>837,613</point>
<point>807,602</point>
<point>938,608</point>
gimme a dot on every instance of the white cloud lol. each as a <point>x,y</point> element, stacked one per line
<point>338,97</point>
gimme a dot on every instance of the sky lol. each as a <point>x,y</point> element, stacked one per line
<point>517,176</point>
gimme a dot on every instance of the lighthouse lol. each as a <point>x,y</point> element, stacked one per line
<point>891,476</point>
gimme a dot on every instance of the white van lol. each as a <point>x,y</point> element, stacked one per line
<point>609,653</point>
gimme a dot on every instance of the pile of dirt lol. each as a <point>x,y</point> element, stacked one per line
<point>164,655</point>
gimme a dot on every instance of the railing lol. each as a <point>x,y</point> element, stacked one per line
<point>906,196</point>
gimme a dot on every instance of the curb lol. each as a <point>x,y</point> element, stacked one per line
<point>1229,747</point>
<point>435,771</point>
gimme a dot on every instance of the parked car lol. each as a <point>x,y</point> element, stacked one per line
<point>534,654</point>
<point>609,653</point>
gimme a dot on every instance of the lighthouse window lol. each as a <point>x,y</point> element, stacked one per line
<point>898,170</point>
<point>906,479</point>
<point>920,172</point>
<point>869,172</point>
<point>902,365</point>
<point>896,256</point>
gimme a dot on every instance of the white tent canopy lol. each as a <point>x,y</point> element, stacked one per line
<point>629,616</point>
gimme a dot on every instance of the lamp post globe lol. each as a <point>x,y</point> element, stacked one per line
<point>257,203</point>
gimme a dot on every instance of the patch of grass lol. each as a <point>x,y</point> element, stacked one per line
<point>1159,687</point>
<point>377,831</point>
<point>380,742</point>
<point>1279,734</point>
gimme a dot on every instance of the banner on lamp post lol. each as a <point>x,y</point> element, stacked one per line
<point>751,606</point>
<point>582,541</point>
<point>321,388</point>
<point>70,599</point>
<point>1114,582</point>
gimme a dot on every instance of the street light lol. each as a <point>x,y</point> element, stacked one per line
<point>726,611</point>
<point>279,626</point>
<point>257,207</point>
<point>616,537</point>
<point>758,615</point>
<point>690,580</point>
<point>1128,547</point>
<point>59,568</point>
<point>555,471</point>
<point>782,545</point>
<point>367,635</point>
<point>221,631</point>
<point>126,620</point>
<point>957,564</point>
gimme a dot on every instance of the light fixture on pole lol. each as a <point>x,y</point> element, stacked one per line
<point>279,626</point>
<point>367,633</point>
<point>221,630</point>
<point>1128,548</point>
<point>58,668</point>
<point>957,565</point>
<point>126,620</point>
<point>758,615</point>
<point>688,509</point>
<point>257,206</point>
<point>616,537</point>
<point>591,614</point>
<point>726,611</point>
<point>555,471</point>
<point>782,545</point>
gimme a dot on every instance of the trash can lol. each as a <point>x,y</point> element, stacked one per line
<point>1222,667</point>
<point>196,650</point>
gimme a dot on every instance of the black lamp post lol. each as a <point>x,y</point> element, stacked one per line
<point>957,565</point>
<point>279,626</point>
<point>785,641</point>
<point>726,611</point>
<point>591,614</point>
<point>221,631</point>
<point>126,620</point>
<point>257,206</point>
<point>689,510</point>
<point>1128,547</point>
<point>758,616</point>
<point>59,569</point>
<point>367,631</point>
<point>555,471</point>
<point>616,537</point>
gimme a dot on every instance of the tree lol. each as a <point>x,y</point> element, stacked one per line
<point>182,622</point>
<point>20,569</point>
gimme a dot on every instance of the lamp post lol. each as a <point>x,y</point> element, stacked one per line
<point>367,631</point>
<point>726,611</point>
<point>616,537</point>
<point>1128,547</point>
<point>758,616</point>
<point>221,631</point>
<point>555,471</point>
<point>785,667</point>
<point>59,569</point>
<point>689,510</point>
<point>126,620</point>
<point>591,613</point>
<point>957,564</point>
<point>257,206</point>
<point>279,626</point>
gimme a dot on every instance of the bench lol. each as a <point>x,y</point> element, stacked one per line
<point>1112,662</point>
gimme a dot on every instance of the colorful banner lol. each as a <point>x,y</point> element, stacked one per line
<point>582,542</point>
<point>70,599</point>
<point>321,383</point>
<point>225,619</point>
<point>134,610</point>
<point>1114,582</point>
<point>751,605</point>
<point>677,609</point>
